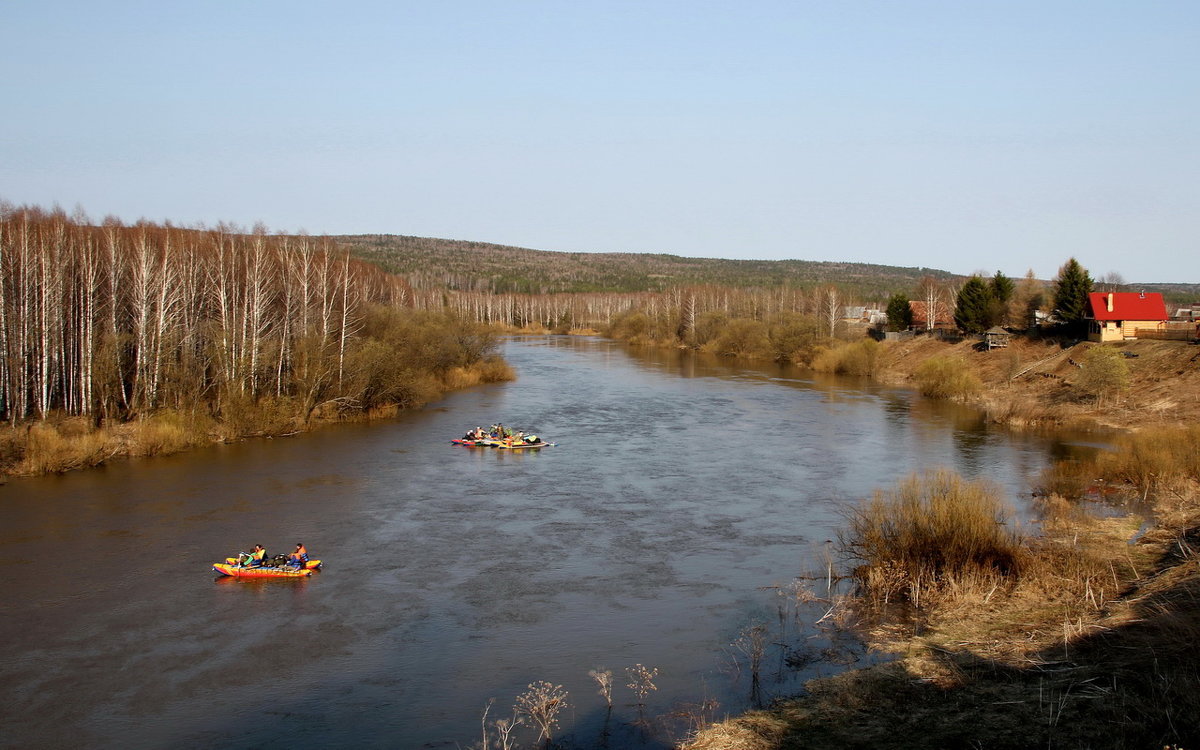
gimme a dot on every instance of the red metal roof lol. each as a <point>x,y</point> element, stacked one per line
<point>1128,306</point>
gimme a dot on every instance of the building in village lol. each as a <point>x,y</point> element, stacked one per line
<point>942,318</point>
<point>1116,316</point>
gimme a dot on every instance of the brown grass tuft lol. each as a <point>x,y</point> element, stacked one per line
<point>946,377</point>
<point>495,370</point>
<point>858,358</point>
<point>933,531</point>
<point>48,451</point>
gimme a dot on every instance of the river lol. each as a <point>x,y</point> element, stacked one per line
<point>683,495</point>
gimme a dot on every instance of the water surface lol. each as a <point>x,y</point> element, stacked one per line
<point>680,493</point>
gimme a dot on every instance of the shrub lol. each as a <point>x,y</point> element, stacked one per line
<point>858,358</point>
<point>933,530</point>
<point>742,337</point>
<point>495,370</point>
<point>946,377</point>
<point>1104,373</point>
<point>632,326</point>
<point>708,326</point>
<point>794,338</point>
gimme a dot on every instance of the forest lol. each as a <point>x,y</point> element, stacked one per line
<point>232,332</point>
<point>431,263</point>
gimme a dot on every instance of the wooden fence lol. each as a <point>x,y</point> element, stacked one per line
<point>1186,332</point>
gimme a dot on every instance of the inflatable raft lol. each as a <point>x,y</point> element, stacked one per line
<point>231,568</point>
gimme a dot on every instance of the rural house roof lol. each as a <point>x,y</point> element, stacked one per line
<point>941,314</point>
<point>1127,306</point>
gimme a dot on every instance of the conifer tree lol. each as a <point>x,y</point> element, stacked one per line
<point>1003,289</point>
<point>1071,296</point>
<point>899,313</point>
<point>973,307</point>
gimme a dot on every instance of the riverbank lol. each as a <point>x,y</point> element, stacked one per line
<point>1090,643</point>
<point>61,444</point>
<point>1036,382</point>
<point>1105,660</point>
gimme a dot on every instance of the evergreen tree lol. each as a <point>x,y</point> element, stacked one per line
<point>1002,287</point>
<point>1003,290</point>
<point>899,313</point>
<point>1071,296</point>
<point>974,306</point>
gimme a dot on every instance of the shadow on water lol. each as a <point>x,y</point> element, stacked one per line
<point>683,494</point>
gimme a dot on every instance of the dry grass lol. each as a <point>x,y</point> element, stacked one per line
<point>947,378</point>
<point>933,532</point>
<point>754,731</point>
<point>166,433</point>
<point>1156,460</point>
<point>487,370</point>
<point>494,370</point>
<point>48,450</point>
<point>65,444</point>
<point>1091,644</point>
<point>859,358</point>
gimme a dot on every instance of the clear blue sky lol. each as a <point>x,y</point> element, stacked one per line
<point>963,135</point>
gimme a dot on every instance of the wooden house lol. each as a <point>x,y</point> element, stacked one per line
<point>1116,316</point>
<point>921,318</point>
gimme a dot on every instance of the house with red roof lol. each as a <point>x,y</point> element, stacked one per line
<point>941,318</point>
<point>1116,316</point>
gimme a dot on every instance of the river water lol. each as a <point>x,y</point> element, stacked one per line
<point>682,497</point>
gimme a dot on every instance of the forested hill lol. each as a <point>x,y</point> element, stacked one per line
<point>481,266</point>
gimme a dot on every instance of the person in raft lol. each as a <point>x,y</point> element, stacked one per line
<point>299,557</point>
<point>254,559</point>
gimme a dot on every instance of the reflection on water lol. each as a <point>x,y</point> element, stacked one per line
<point>683,497</point>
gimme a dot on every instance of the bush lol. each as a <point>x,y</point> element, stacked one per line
<point>709,325</point>
<point>946,377</point>
<point>495,370</point>
<point>742,337</point>
<point>1104,373</point>
<point>931,531</point>
<point>858,358</point>
<point>794,338</point>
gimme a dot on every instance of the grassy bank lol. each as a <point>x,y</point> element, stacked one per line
<point>1046,383</point>
<point>1078,635</point>
<point>62,443</point>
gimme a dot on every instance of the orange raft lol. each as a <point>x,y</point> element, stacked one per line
<point>231,568</point>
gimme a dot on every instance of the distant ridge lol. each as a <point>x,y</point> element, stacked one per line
<point>502,269</point>
<point>483,266</point>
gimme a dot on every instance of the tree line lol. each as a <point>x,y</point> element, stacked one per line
<point>109,320</point>
<point>112,321</point>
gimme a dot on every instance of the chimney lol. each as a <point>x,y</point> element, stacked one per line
<point>1110,301</point>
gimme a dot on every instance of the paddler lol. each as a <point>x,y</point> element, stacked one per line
<point>299,557</point>
<point>256,557</point>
